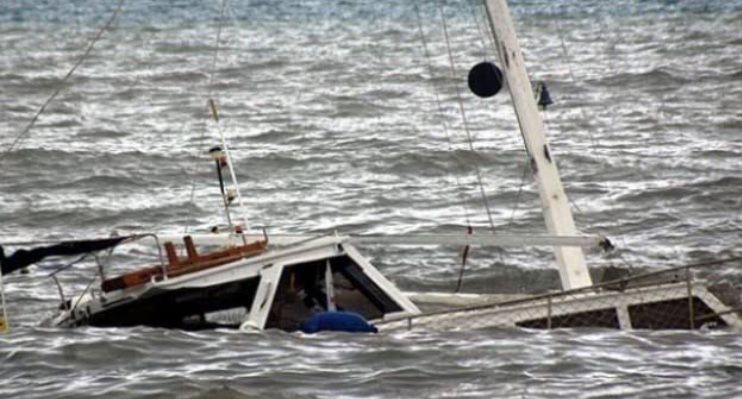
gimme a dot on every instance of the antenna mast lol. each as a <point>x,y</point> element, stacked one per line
<point>226,154</point>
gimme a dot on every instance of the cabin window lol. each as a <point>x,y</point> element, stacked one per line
<point>225,305</point>
<point>302,292</point>
<point>354,291</point>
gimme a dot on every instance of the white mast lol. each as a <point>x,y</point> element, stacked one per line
<point>559,221</point>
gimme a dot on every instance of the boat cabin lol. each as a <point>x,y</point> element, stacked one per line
<point>257,289</point>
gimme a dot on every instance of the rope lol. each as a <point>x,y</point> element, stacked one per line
<point>61,86</point>
<point>463,115</point>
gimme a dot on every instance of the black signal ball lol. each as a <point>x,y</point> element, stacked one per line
<point>485,79</point>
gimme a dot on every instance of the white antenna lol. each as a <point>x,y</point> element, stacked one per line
<point>228,155</point>
<point>558,215</point>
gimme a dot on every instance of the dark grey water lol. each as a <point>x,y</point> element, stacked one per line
<point>330,109</point>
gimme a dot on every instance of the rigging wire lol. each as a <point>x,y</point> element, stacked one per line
<point>463,114</point>
<point>61,85</point>
<point>567,59</point>
<point>482,31</point>
<point>617,38</point>
<point>481,16</point>
<point>439,106</point>
<point>444,126</point>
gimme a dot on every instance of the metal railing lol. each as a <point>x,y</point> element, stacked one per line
<point>668,298</point>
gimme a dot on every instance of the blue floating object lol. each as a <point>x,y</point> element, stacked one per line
<point>337,321</point>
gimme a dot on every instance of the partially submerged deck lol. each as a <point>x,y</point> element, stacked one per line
<point>667,299</point>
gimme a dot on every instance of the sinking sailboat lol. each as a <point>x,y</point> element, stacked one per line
<point>260,281</point>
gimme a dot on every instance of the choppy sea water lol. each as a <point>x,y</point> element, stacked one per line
<point>330,109</point>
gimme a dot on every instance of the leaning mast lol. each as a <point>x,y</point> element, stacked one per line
<point>559,221</point>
